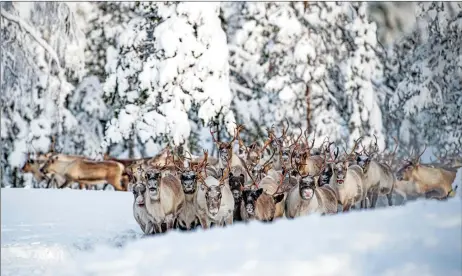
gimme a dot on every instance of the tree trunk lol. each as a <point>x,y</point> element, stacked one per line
<point>308,110</point>
<point>131,144</point>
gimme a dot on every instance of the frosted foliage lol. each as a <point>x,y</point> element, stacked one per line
<point>186,65</point>
<point>42,56</point>
<point>430,89</point>
<point>362,68</point>
<point>282,51</point>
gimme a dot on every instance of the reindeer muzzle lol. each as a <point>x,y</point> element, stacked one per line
<point>249,208</point>
<point>306,193</point>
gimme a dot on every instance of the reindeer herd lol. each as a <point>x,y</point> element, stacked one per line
<point>286,176</point>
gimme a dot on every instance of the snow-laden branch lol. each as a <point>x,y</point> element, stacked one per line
<point>241,89</point>
<point>242,53</point>
<point>22,24</point>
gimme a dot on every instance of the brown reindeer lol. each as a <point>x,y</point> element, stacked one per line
<point>225,151</point>
<point>432,182</point>
<point>165,198</point>
<point>85,171</point>
<point>187,218</point>
<point>257,203</point>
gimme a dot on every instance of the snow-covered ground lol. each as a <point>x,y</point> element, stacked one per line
<point>73,232</point>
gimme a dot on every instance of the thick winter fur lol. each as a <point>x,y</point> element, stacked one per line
<point>270,184</point>
<point>351,189</point>
<point>187,218</point>
<point>144,219</point>
<point>164,198</point>
<point>313,164</point>
<point>256,204</point>
<point>437,181</point>
<point>85,171</point>
<point>236,184</point>
<point>214,203</point>
<point>378,179</point>
<point>306,198</point>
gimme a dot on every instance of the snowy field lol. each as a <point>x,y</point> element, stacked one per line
<point>73,232</point>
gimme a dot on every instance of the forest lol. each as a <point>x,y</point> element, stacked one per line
<point>129,78</point>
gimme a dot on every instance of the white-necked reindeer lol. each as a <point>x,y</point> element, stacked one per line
<point>214,202</point>
<point>164,198</point>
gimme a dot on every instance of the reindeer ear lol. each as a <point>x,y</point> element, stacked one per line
<point>230,174</point>
<point>278,198</point>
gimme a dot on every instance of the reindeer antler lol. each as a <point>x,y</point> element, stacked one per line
<point>213,137</point>
<point>354,147</point>
<point>250,175</point>
<point>417,160</point>
<point>394,151</point>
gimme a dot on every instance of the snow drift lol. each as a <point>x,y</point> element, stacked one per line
<point>71,232</point>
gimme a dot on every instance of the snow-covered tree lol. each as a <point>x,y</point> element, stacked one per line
<point>362,72</point>
<point>105,21</point>
<point>172,58</point>
<point>41,58</point>
<point>429,91</point>
<point>296,61</point>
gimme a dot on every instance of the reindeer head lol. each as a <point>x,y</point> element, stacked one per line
<point>236,184</point>
<point>363,158</point>
<point>213,191</point>
<point>250,197</point>
<point>139,192</point>
<point>225,150</point>
<point>28,165</point>
<point>409,167</point>
<point>325,176</point>
<point>188,175</point>
<point>153,178</point>
<point>306,186</point>
<point>50,164</point>
<point>213,194</point>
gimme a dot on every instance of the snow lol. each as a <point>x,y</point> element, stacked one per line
<point>72,232</point>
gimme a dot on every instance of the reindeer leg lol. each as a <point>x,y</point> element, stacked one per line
<point>374,197</point>
<point>346,207</point>
<point>389,197</point>
<point>148,228</point>
<point>229,220</point>
<point>204,223</point>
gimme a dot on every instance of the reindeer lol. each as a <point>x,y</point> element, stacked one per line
<point>78,169</point>
<point>378,177</point>
<point>306,197</point>
<point>263,176</point>
<point>433,182</point>
<point>32,166</point>
<point>257,203</point>
<point>165,197</point>
<point>214,202</point>
<point>141,214</point>
<point>349,181</point>
<point>225,151</point>
<point>277,146</point>
<point>187,218</point>
<point>327,173</point>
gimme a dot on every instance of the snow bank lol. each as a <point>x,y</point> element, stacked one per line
<point>68,232</point>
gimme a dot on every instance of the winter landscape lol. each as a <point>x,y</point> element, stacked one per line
<point>233,138</point>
